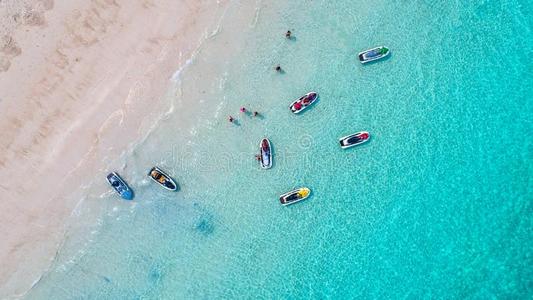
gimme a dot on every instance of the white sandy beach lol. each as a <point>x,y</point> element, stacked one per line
<point>77,78</point>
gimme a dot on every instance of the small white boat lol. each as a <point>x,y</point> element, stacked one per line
<point>294,196</point>
<point>373,54</point>
<point>162,179</point>
<point>266,154</point>
<point>354,139</point>
<point>303,102</point>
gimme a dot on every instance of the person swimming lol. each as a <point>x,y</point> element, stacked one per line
<point>243,109</point>
<point>255,114</point>
<point>231,119</point>
<point>288,34</point>
<point>278,68</point>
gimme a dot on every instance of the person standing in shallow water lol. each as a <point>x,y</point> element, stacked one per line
<point>278,69</point>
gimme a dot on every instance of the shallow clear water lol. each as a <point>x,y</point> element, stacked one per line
<point>437,205</point>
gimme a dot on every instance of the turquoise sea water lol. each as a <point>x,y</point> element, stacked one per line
<point>437,205</point>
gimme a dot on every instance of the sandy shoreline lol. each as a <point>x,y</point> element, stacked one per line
<point>76,80</point>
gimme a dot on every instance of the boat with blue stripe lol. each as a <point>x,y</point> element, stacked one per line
<point>120,186</point>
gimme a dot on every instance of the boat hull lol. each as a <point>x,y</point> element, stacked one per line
<point>313,97</point>
<point>354,139</point>
<point>120,186</point>
<point>294,196</point>
<point>366,57</point>
<point>266,154</point>
<point>163,179</point>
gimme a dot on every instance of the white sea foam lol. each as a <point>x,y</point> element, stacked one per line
<point>176,76</point>
<point>257,14</point>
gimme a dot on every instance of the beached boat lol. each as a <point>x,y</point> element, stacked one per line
<point>120,185</point>
<point>294,196</point>
<point>266,154</point>
<point>303,102</point>
<point>163,179</point>
<point>373,54</point>
<point>354,139</point>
